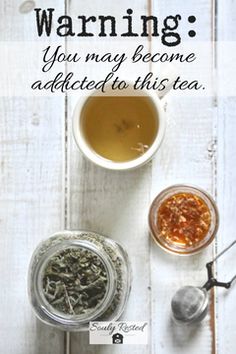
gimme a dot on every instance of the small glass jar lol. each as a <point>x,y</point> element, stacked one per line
<point>115,264</point>
<point>170,243</point>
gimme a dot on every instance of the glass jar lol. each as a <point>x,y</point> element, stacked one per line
<point>186,221</point>
<point>49,276</point>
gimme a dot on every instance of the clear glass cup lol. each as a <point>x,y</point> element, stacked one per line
<point>115,261</point>
<point>176,248</point>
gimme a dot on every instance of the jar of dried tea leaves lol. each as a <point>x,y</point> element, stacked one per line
<point>76,277</point>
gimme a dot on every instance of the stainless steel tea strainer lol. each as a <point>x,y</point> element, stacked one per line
<point>190,303</point>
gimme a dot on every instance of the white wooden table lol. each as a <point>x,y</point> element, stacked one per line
<point>46,185</point>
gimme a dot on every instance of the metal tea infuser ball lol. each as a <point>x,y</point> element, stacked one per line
<point>190,303</point>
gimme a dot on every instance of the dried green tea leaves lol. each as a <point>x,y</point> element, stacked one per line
<point>76,277</point>
<point>75,281</point>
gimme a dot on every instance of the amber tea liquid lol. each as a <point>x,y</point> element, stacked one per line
<point>119,128</point>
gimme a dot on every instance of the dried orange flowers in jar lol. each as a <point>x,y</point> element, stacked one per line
<point>183,219</point>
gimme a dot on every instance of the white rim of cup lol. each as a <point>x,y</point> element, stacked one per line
<point>90,154</point>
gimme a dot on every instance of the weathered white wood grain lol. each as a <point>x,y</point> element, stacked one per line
<point>226,305</point>
<point>31,195</point>
<point>112,203</point>
<point>183,158</point>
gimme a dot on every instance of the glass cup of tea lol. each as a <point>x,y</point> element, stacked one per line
<point>119,131</point>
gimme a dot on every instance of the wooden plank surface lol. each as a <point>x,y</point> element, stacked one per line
<point>112,203</point>
<point>31,195</point>
<point>46,185</point>
<point>183,158</point>
<point>226,56</point>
